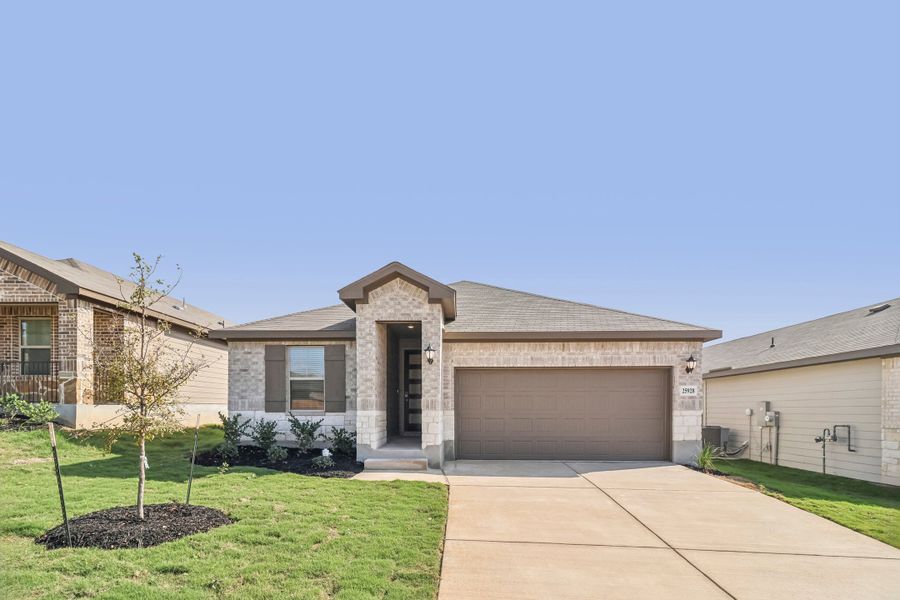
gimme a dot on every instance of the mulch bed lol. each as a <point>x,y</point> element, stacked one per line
<point>19,424</point>
<point>708,471</point>
<point>120,527</point>
<point>296,462</point>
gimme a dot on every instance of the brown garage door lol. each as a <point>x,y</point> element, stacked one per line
<point>563,414</point>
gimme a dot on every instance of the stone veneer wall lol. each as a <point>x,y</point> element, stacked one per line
<point>247,383</point>
<point>890,421</point>
<point>396,300</point>
<point>686,412</point>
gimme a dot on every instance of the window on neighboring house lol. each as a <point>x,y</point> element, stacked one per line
<point>35,346</point>
<point>306,378</point>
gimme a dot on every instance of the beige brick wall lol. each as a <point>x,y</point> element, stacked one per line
<point>396,300</point>
<point>247,381</point>
<point>686,412</point>
<point>890,421</point>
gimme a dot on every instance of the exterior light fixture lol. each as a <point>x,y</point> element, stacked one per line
<point>429,354</point>
<point>691,364</point>
<point>410,326</point>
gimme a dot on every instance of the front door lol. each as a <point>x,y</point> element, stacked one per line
<point>412,390</point>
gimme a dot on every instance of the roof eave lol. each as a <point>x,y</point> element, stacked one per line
<point>280,334</point>
<point>703,335</point>
<point>880,352</point>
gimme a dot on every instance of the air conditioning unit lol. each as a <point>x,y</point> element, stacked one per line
<point>715,436</point>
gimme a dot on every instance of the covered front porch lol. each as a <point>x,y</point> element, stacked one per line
<point>48,351</point>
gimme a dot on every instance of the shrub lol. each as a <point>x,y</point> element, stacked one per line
<point>264,433</point>
<point>705,460</point>
<point>306,432</point>
<point>11,405</point>
<point>34,413</point>
<point>323,462</point>
<point>276,453</point>
<point>234,431</point>
<point>38,413</point>
<point>343,441</point>
<point>233,427</point>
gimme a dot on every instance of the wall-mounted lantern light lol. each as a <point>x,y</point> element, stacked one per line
<point>691,364</point>
<point>429,354</point>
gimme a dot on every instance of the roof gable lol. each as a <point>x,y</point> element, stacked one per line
<point>72,276</point>
<point>438,293</point>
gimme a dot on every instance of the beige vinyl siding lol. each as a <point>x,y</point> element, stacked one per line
<point>209,385</point>
<point>809,399</point>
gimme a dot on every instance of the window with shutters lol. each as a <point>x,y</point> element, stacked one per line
<point>306,378</point>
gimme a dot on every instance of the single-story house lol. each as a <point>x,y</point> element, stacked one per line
<point>473,371</point>
<point>57,316</point>
<point>840,370</point>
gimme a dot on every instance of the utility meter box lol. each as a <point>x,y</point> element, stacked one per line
<point>764,416</point>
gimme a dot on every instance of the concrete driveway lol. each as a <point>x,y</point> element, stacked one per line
<point>522,529</point>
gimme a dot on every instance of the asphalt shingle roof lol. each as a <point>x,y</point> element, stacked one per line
<point>851,331</point>
<point>484,308</point>
<point>95,279</point>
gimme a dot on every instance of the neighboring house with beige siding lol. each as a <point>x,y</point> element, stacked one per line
<point>426,372</point>
<point>838,370</point>
<point>57,318</point>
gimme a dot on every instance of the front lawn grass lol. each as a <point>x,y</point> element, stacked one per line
<point>866,507</point>
<point>295,536</point>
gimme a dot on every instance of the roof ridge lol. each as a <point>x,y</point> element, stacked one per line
<point>843,312</point>
<point>534,295</point>
<point>293,314</point>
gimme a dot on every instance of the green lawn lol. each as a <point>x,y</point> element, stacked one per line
<point>866,507</point>
<point>295,536</point>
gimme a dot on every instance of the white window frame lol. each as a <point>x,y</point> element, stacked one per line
<point>287,391</point>
<point>22,346</point>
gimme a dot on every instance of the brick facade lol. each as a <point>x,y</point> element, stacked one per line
<point>247,383</point>
<point>397,300</point>
<point>686,412</point>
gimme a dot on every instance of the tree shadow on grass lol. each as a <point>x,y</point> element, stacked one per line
<point>169,458</point>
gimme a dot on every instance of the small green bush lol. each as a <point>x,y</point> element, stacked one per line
<point>276,453</point>
<point>323,462</point>
<point>10,405</point>
<point>38,413</point>
<point>305,432</point>
<point>264,433</point>
<point>705,460</point>
<point>34,413</point>
<point>234,430</point>
<point>343,441</point>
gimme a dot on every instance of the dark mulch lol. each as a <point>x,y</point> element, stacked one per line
<point>19,424</point>
<point>296,462</point>
<point>708,471</point>
<point>120,527</point>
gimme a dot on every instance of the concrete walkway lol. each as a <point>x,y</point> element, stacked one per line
<point>522,529</point>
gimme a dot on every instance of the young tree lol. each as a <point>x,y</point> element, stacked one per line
<point>145,369</point>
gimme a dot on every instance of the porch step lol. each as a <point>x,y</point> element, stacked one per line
<point>396,464</point>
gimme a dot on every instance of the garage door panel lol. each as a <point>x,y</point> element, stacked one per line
<point>568,414</point>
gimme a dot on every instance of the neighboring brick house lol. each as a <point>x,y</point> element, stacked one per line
<point>843,369</point>
<point>57,317</point>
<point>429,372</point>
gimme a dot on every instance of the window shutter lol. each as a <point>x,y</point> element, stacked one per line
<point>335,379</point>
<point>276,378</point>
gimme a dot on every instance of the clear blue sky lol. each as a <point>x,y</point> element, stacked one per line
<point>735,165</point>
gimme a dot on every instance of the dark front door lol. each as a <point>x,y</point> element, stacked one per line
<point>412,390</point>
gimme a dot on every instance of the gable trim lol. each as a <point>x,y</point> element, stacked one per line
<point>438,293</point>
